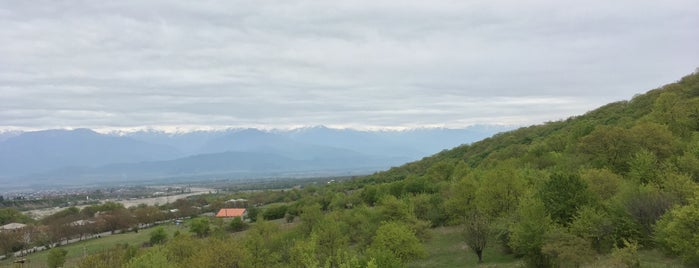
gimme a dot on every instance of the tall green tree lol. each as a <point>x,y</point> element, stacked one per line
<point>644,168</point>
<point>261,241</point>
<point>562,195</point>
<point>527,234</point>
<point>459,198</point>
<point>609,146</point>
<point>331,239</point>
<point>499,191</point>
<point>304,253</point>
<point>596,226</point>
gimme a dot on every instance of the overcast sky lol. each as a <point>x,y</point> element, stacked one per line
<point>359,64</point>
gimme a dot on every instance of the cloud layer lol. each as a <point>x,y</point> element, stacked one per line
<point>122,64</point>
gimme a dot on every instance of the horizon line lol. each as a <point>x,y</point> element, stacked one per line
<point>176,129</point>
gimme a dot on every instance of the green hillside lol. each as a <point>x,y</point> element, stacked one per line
<point>615,179</point>
<point>615,187</point>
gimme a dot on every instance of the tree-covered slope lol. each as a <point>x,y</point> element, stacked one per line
<point>622,175</point>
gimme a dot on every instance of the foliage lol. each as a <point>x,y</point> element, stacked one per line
<point>678,231</point>
<point>331,240</point>
<point>527,235</point>
<point>237,224</point>
<point>262,244</point>
<point>117,256</point>
<point>476,233</point>
<point>252,213</point>
<point>304,253</point>
<point>395,243</point>
<point>158,236</point>
<point>200,227</point>
<point>646,204</point>
<point>626,256</point>
<point>155,257</point>
<point>562,194</point>
<point>566,250</point>
<point>596,226</point>
<point>220,253</point>
<point>499,191</point>
<point>274,212</point>
<point>8,215</point>
<point>56,257</point>
<point>182,247</point>
<point>602,183</point>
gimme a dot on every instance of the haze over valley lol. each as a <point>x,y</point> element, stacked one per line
<point>82,156</point>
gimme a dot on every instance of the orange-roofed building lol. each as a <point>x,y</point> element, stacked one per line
<point>231,213</point>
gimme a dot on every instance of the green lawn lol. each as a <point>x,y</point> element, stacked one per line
<point>76,251</point>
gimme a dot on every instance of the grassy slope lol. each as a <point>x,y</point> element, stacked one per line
<point>447,249</point>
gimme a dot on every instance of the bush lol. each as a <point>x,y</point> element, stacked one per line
<point>274,212</point>
<point>56,257</point>
<point>626,256</point>
<point>678,231</point>
<point>237,224</point>
<point>200,226</point>
<point>289,217</point>
<point>158,236</point>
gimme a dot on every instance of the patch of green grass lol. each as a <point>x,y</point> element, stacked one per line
<point>446,248</point>
<point>655,258</point>
<point>76,251</point>
<point>649,258</point>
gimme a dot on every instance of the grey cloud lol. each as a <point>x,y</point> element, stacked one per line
<point>351,63</point>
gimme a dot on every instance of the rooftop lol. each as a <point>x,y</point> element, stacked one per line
<point>230,212</point>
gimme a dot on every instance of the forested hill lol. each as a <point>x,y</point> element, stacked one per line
<point>617,178</point>
<point>663,122</point>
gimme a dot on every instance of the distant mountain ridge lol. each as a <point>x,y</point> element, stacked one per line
<point>41,151</point>
<point>83,155</point>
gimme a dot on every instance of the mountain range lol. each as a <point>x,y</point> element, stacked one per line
<point>79,156</point>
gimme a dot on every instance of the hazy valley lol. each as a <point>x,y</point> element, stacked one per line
<point>85,157</point>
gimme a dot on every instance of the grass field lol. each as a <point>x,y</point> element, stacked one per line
<point>447,249</point>
<point>76,251</point>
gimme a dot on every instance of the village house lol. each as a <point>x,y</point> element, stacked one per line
<point>232,213</point>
